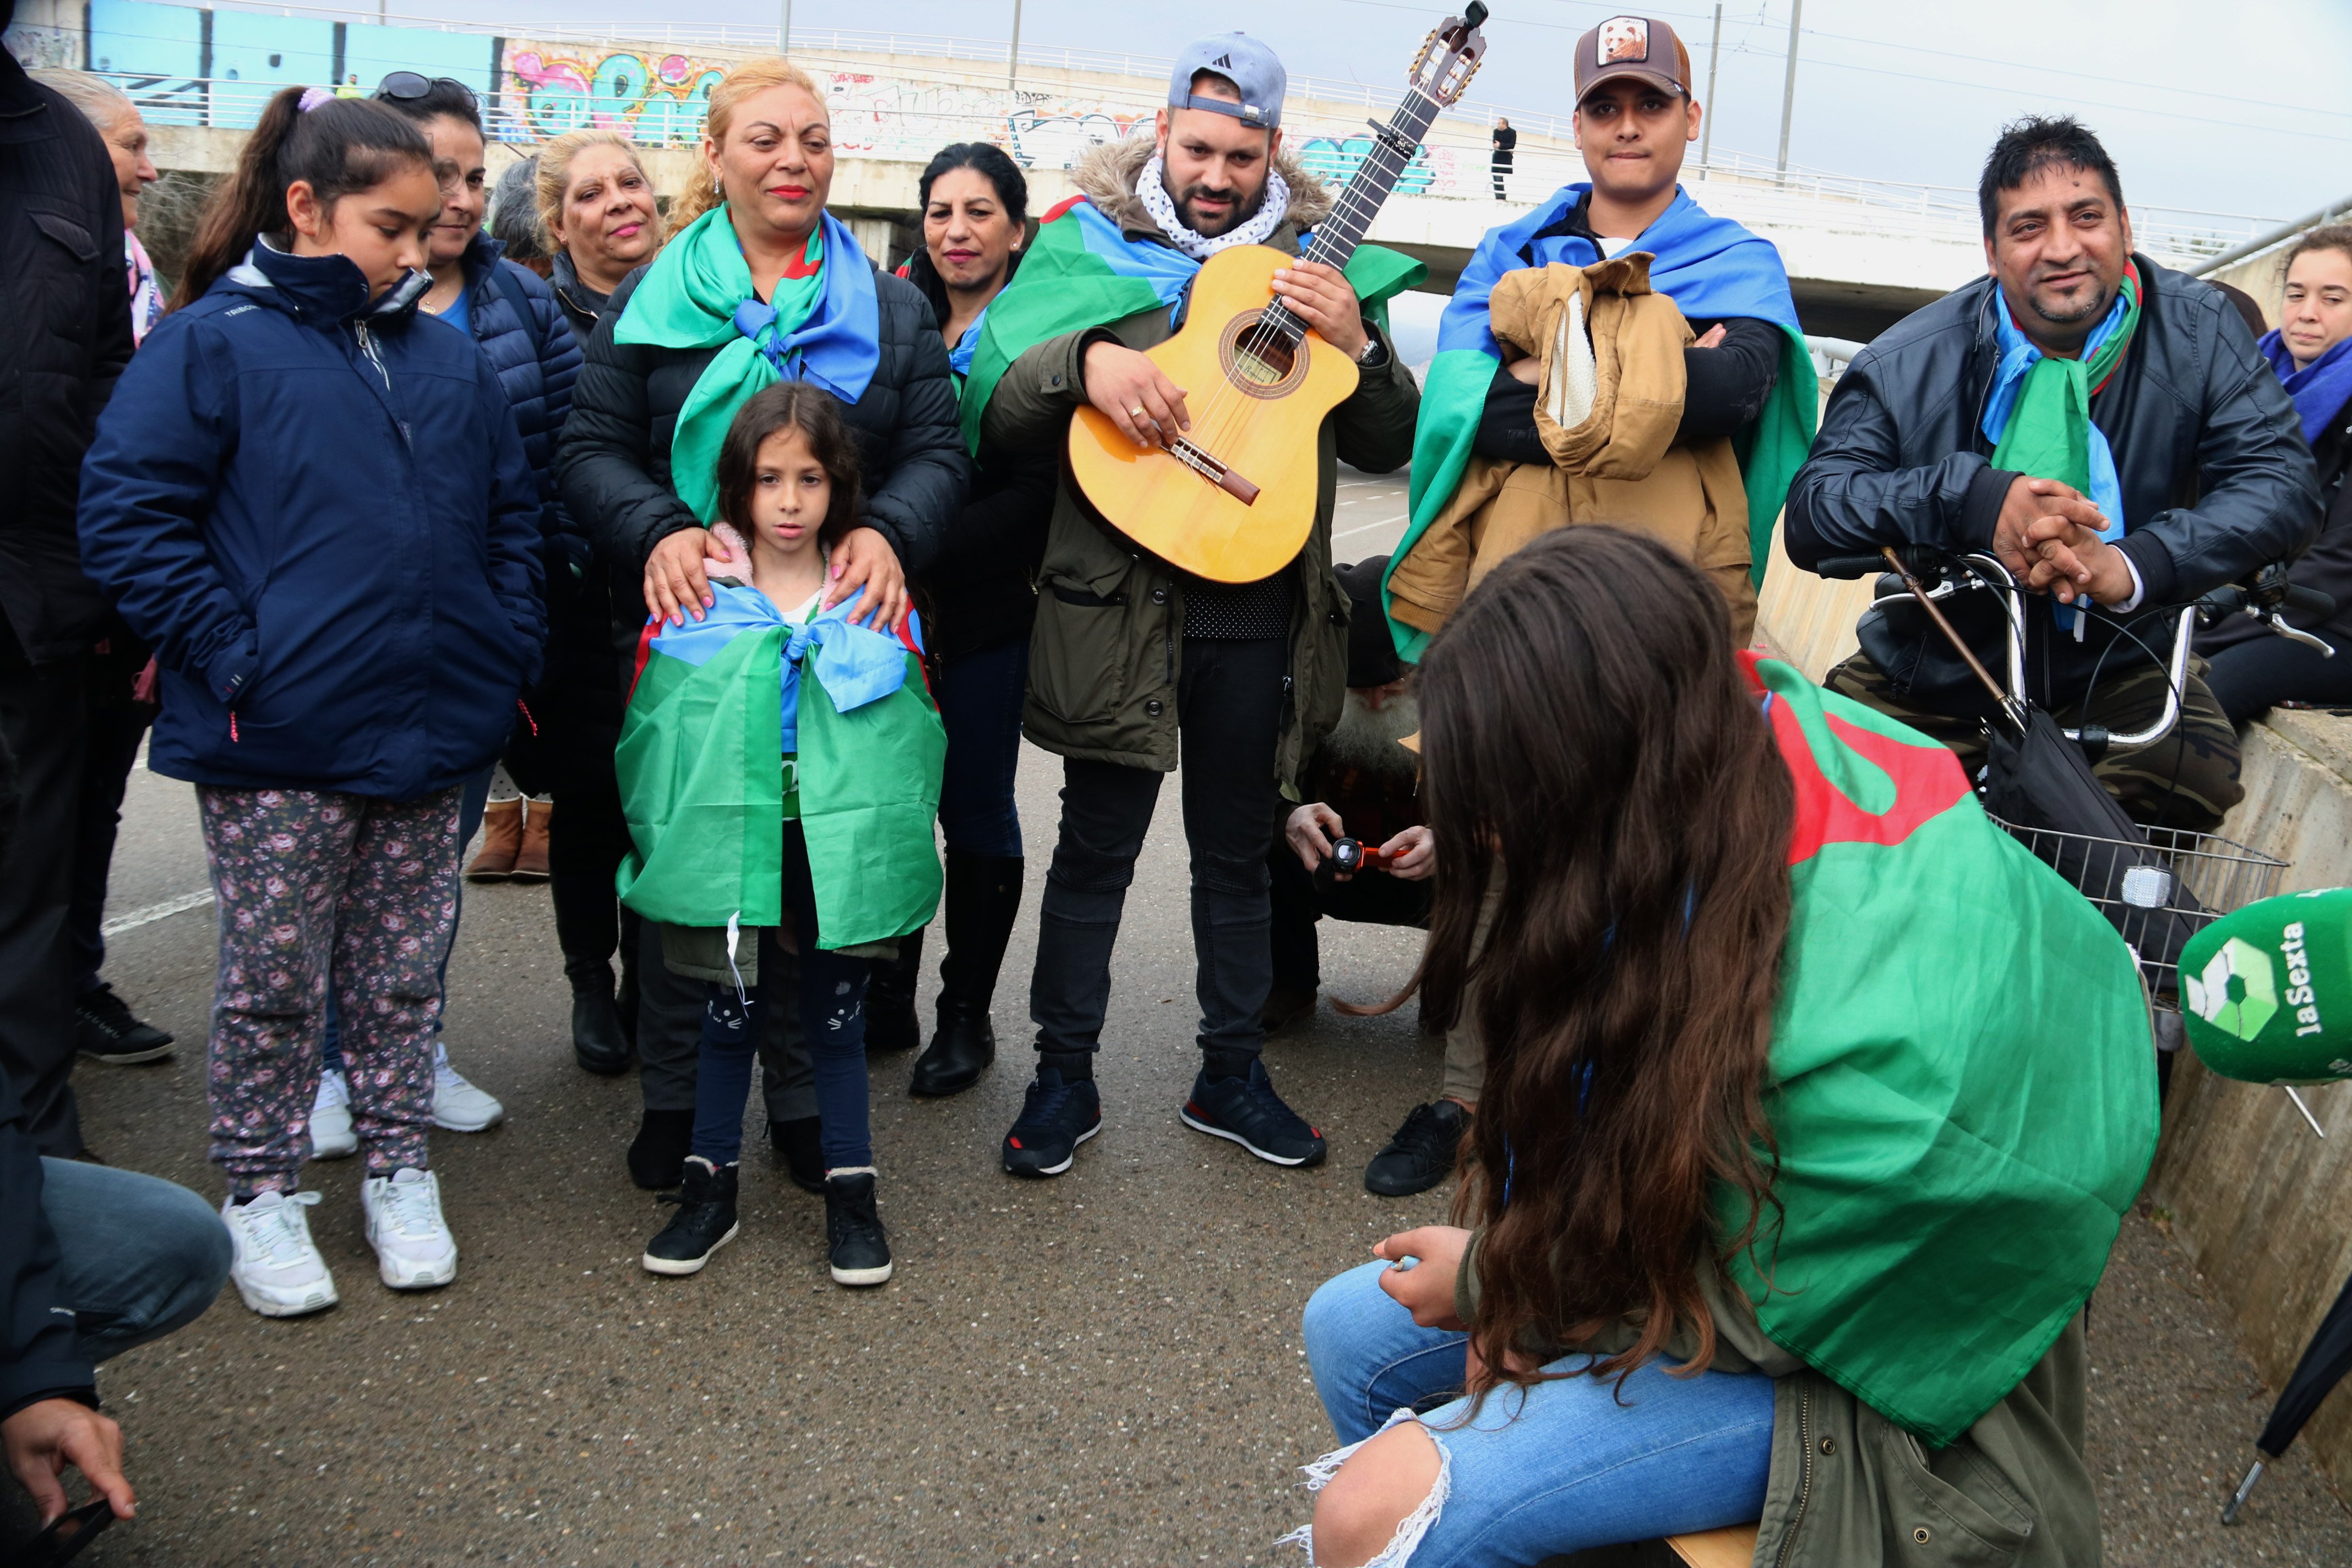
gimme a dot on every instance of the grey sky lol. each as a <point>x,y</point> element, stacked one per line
<point>1901,89</point>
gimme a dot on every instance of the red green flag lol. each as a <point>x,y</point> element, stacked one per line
<point>1960,1081</point>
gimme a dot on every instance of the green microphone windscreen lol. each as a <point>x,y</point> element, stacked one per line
<point>2266,992</point>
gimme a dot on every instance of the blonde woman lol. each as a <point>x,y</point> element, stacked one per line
<point>597,218</point>
<point>755,284</point>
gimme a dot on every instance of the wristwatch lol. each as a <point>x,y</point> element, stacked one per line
<point>1374,354</point>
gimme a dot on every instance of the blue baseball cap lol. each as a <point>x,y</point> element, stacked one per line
<point>1242,61</point>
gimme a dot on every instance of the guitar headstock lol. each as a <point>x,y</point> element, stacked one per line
<point>1450,54</point>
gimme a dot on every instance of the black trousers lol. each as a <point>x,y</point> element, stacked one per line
<point>110,750</point>
<point>1300,899</point>
<point>2248,678</point>
<point>669,1037</point>
<point>1229,706</point>
<point>585,843</point>
<point>43,724</point>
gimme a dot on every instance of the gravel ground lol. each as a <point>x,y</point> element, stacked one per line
<point>1100,1370</point>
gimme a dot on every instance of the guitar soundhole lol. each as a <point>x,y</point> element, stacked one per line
<point>1261,364</point>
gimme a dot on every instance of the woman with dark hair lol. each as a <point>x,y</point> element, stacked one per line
<point>1782,1202</point>
<point>758,283</point>
<point>975,207</point>
<point>315,507</point>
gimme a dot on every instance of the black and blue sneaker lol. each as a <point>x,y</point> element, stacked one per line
<point>1056,1116</point>
<point>1248,1110</point>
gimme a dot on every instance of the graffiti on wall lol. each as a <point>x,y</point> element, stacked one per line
<point>657,100</point>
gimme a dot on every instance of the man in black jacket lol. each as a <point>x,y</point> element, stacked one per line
<point>2210,477</point>
<point>69,338</point>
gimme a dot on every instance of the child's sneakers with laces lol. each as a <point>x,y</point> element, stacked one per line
<point>331,1137</point>
<point>276,1265</point>
<point>458,1105</point>
<point>414,1248</point>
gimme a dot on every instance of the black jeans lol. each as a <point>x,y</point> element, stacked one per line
<point>42,722</point>
<point>585,843</point>
<point>109,752</point>
<point>1300,899</point>
<point>2248,678</point>
<point>1229,706</point>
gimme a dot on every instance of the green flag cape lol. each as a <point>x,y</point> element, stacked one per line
<point>1082,272</point>
<point>2039,411</point>
<point>821,324</point>
<point>700,765</point>
<point>1959,1079</point>
<point>1709,266</point>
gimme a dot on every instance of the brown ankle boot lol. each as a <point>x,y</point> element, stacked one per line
<point>530,861</point>
<point>501,842</point>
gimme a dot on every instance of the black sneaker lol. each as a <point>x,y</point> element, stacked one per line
<point>104,1028</point>
<point>799,1143</point>
<point>857,1249</point>
<point>704,1223</point>
<point>1422,1153</point>
<point>1248,1110</point>
<point>1055,1118</point>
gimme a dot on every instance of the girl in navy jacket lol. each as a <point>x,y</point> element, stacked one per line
<point>318,510</point>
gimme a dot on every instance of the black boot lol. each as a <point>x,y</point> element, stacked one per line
<point>983,899</point>
<point>704,1223</point>
<point>798,1144</point>
<point>857,1249</point>
<point>890,1021</point>
<point>657,1158</point>
<point>598,1043</point>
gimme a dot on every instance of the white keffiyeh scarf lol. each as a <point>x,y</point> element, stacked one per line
<point>1152,190</point>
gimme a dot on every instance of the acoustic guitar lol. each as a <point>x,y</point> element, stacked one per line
<point>1233,499</point>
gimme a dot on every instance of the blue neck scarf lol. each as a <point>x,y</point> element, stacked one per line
<point>2320,389</point>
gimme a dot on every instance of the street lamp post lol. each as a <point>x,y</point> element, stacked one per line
<point>1013,55</point>
<point>784,32</point>
<point>1788,85</point>
<point>1706,111</point>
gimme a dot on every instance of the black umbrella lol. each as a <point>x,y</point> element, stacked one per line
<point>2325,1361</point>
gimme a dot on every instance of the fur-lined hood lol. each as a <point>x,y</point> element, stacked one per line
<point>1106,175</point>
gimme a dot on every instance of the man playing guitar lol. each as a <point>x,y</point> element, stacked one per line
<point>1130,653</point>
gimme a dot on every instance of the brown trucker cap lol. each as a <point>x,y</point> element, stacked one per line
<point>1637,46</point>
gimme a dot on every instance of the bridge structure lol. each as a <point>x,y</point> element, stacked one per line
<point>1860,253</point>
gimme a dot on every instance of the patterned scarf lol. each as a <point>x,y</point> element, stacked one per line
<point>1152,190</point>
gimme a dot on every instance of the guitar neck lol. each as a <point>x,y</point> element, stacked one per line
<point>1336,238</point>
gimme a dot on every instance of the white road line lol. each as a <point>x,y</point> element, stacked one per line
<point>154,912</point>
<point>1367,528</point>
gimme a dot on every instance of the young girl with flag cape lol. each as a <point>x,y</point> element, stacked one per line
<point>779,770</point>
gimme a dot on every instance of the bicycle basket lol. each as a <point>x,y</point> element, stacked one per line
<point>2156,893</point>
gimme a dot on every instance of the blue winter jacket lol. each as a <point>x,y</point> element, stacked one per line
<point>537,359</point>
<point>319,513</point>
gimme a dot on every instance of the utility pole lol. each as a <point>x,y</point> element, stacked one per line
<point>784,34</point>
<point>1013,55</point>
<point>1789,87</point>
<point>1706,109</point>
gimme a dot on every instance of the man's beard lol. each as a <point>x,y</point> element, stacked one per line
<point>2098,304</point>
<point>1367,737</point>
<point>1238,214</point>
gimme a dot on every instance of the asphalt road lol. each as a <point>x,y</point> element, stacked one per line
<point>1102,1369</point>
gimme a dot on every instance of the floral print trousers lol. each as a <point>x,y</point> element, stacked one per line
<point>315,889</point>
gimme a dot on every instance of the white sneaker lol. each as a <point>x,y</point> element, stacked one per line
<point>458,1105</point>
<point>277,1267</point>
<point>414,1248</point>
<point>331,1137</point>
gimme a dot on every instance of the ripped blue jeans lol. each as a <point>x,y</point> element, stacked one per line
<point>833,1019</point>
<point>1537,1473</point>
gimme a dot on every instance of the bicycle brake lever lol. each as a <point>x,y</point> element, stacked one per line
<point>2278,623</point>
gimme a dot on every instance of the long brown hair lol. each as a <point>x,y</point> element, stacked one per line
<point>341,146</point>
<point>1592,757</point>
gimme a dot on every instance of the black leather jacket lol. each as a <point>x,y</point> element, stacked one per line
<point>2216,480</point>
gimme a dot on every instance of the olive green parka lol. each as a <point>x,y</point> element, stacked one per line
<point>1108,647</point>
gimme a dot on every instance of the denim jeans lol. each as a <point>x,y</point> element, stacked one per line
<point>1559,1468</point>
<point>469,822</point>
<point>980,703</point>
<point>1229,707</point>
<point>832,999</point>
<point>142,1255</point>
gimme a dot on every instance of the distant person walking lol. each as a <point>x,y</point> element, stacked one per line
<point>68,337</point>
<point>118,700</point>
<point>1507,142</point>
<point>317,508</point>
